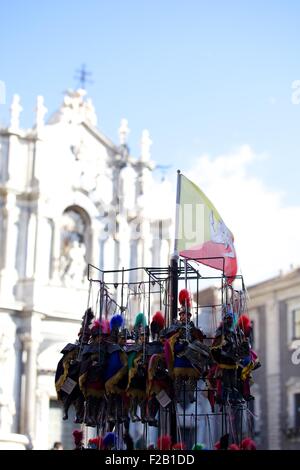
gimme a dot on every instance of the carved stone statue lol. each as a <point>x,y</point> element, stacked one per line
<point>74,263</point>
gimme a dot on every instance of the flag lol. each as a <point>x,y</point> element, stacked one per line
<point>201,234</point>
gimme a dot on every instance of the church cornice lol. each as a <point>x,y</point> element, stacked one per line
<point>94,131</point>
<point>28,135</point>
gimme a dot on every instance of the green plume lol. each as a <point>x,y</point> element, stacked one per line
<point>140,320</point>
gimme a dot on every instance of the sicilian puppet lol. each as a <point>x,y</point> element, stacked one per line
<point>225,350</point>
<point>249,360</point>
<point>68,370</point>
<point>95,443</point>
<point>158,379</point>
<point>78,439</point>
<point>91,380</point>
<point>181,369</point>
<point>116,372</point>
<point>137,370</point>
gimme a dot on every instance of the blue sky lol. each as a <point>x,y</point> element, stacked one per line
<point>202,76</point>
<point>207,78</point>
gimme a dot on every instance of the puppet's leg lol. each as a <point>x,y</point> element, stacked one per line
<point>133,409</point>
<point>143,406</point>
<point>191,387</point>
<point>153,407</point>
<point>79,408</point>
<point>111,410</point>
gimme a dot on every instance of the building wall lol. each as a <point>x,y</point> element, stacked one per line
<point>63,197</point>
<point>278,379</point>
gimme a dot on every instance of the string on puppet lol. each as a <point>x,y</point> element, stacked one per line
<point>166,303</point>
<point>193,420</point>
<point>126,313</point>
<point>178,427</point>
<point>251,418</point>
<point>231,419</point>
<point>85,320</point>
<point>210,438</point>
<point>98,314</point>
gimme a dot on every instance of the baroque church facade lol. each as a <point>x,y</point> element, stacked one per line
<point>69,196</point>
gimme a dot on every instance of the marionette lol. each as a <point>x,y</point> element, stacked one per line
<point>96,443</point>
<point>225,352</point>
<point>249,360</point>
<point>116,372</point>
<point>91,374</point>
<point>158,379</point>
<point>109,441</point>
<point>181,369</point>
<point>185,314</point>
<point>78,439</point>
<point>68,370</point>
<point>137,370</point>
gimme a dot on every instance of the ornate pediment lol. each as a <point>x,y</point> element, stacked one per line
<point>75,109</point>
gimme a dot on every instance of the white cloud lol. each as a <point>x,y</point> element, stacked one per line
<point>267,233</point>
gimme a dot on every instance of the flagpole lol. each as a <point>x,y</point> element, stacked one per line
<point>178,189</point>
<point>173,298</point>
<point>175,256</point>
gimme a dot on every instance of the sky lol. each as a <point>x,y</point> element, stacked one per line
<point>211,80</point>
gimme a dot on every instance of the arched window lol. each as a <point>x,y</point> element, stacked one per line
<point>75,242</point>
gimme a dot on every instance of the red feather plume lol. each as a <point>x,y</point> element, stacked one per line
<point>158,318</point>
<point>78,436</point>
<point>184,298</point>
<point>245,324</point>
<point>97,441</point>
<point>248,444</point>
<point>164,442</point>
<point>233,447</point>
<point>179,446</point>
<point>96,324</point>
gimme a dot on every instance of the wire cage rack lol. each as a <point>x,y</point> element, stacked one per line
<point>148,289</point>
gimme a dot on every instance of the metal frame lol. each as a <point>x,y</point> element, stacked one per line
<point>157,282</point>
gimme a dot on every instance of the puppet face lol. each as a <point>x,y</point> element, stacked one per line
<point>228,320</point>
<point>184,317</point>
<point>122,341</point>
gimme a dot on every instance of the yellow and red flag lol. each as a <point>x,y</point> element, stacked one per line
<point>201,234</point>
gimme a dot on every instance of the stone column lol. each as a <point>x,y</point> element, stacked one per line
<point>8,274</point>
<point>31,245</point>
<point>95,248</point>
<point>30,346</point>
<point>56,251</point>
<point>42,418</point>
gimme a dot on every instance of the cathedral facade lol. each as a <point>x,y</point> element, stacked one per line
<point>69,197</point>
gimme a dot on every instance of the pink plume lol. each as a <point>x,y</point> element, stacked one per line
<point>105,326</point>
<point>152,359</point>
<point>168,353</point>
